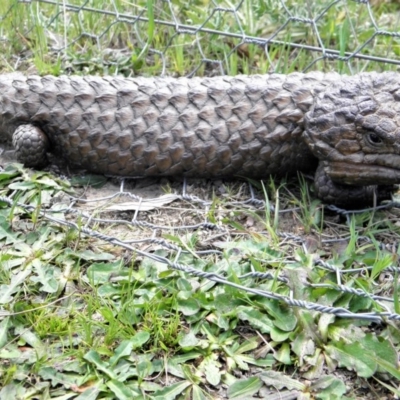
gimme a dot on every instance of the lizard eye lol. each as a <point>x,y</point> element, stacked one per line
<point>374,139</point>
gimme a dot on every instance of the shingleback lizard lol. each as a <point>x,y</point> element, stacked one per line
<point>347,129</point>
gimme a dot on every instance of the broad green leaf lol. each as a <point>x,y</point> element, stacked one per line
<point>279,336</point>
<point>188,307</point>
<point>257,320</point>
<point>352,356</point>
<point>365,355</point>
<point>22,186</point>
<point>329,387</point>
<point>45,276</point>
<point>58,378</point>
<point>279,381</point>
<point>188,341</point>
<point>303,346</point>
<point>9,352</point>
<point>100,272</point>
<point>283,354</point>
<point>212,370</point>
<point>170,392</point>
<point>197,393</point>
<point>33,340</point>
<point>4,326</point>
<point>244,388</point>
<point>123,350</point>
<point>181,358</point>
<point>93,357</point>
<point>6,232</point>
<point>6,291</point>
<point>144,369</point>
<point>140,339</point>
<point>89,394</point>
<point>96,181</point>
<point>282,316</point>
<point>121,391</point>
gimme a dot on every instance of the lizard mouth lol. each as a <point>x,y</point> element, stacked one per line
<point>361,174</point>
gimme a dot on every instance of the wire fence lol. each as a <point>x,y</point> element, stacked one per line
<point>248,37</point>
<point>210,37</point>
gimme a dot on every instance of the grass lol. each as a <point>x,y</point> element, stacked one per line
<point>88,318</point>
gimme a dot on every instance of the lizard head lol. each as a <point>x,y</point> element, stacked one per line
<point>353,128</point>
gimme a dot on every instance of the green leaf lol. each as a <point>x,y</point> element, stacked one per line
<point>45,276</point>
<point>189,341</point>
<point>197,393</point>
<point>6,232</point>
<point>93,357</point>
<point>283,354</point>
<point>100,272</point>
<point>140,339</point>
<point>329,387</point>
<point>33,340</point>
<point>89,394</point>
<point>303,346</point>
<point>352,356</point>
<point>123,350</point>
<point>6,291</point>
<point>170,392</point>
<point>212,371</point>
<point>282,316</point>
<point>188,307</point>
<point>279,381</point>
<point>22,186</point>
<point>96,181</point>
<point>255,318</point>
<point>244,388</point>
<point>121,391</point>
<point>4,325</point>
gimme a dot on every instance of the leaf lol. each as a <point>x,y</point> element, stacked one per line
<point>329,387</point>
<point>283,354</point>
<point>88,255</point>
<point>89,394</point>
<point>126,346</point>
<point>4,325</point>
<point>6,232</point>
<point>365,355</point>
<point>352,356</point>
<point>93,357</point>
<point>123,350</point>
<point>283,317</point>
<point>22,186</point>
<point>58,378</point>
<point>140,339</point>
<point>279,381</point>
<point>256,319</point>
<point>211,369</point>
<point>6,291</point>
<point>170,392</point>
<point>303,346</point>
<point>45,276</point>
<point>189,341</point>
<point>197,393</point>
<point>96,181</point>
<point>32,340</point>
<point>100,272</point>
<point>188,307</point>
<point>244,388</point>
<point>121,391</point>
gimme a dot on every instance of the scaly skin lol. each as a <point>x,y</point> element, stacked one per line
<point>248,126</point>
